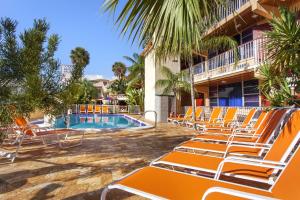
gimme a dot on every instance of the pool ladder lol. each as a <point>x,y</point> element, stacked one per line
<point>150,111</point>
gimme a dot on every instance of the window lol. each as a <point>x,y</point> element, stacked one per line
<point>213,96</point>
<point>251,93</point>
<point>247,35</point>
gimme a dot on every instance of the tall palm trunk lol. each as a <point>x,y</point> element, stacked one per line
<point>192,88</point>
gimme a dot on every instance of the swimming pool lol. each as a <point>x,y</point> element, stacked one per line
<point>95,121</point>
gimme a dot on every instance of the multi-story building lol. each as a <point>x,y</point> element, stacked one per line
<point>221,77</point>
<point>100,83</point>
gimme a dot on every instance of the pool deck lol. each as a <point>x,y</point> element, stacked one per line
<point>81,172</point>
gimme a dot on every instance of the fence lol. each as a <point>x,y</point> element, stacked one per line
<point>105,109</point>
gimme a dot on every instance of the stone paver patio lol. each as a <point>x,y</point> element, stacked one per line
<point>81,172</point>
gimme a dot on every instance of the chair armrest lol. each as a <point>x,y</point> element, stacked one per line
<point>236,193</point>
<point>249,161</point>
<point>247,145</point>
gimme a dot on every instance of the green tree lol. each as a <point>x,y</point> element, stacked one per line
<point>281,72</point>
<point>136,76</point>
<point>87,91</point>
<point>119,70</point>
<point>135,91</point>
<point>118,86</point>
<point>80,58</point>
<point>173,83</point>
<point>30,78</point>
<point>135,96</point>
<point>175,27</point>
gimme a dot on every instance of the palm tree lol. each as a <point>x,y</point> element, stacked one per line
<point>136,74</point>
<point>175,27</point>
<point>285,38</point>
<point>280,74</point>
<point>118,86</point>
<point>80,58</point>
<point>87,91</point>
<point>119,69</point>
<point>173,83</point>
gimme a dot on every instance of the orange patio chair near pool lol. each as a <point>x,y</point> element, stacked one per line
<point>245,130</point>
<point>46,135</point>
<point>181,117</point>
<point>266,131</point>
<point>217,122</point>
<point>97,109</point>
<point>214,116</point>
<point>284,141</point>
<point>90,108</point>
<point>166,183</point>
<point>190,122</point>
<point>82,108</point>
<point>160,183</point>
<point>105,109</point>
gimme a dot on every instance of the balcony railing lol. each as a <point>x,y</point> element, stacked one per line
<point>249,55</point>
<point>229,7</point>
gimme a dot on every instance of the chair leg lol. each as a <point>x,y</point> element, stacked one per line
<point>104,193</point>
<point>60,143</point>
<point>18,148</point>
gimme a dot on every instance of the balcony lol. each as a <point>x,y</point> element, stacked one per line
<point>227,12</point>
<point>230,7</point>
<point>250,55</point>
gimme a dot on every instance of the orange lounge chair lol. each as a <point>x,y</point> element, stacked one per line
<point>181,117</point>
<point>236,133</point>
<point>248,125</point>
<point>97,109</point>
<point>214,116</point>
<point>247,119</point>
<point>90,108</point>
<point>219,123</point>
<point>279,152</point>
<point>44,134</point>
<point>105,110</point>
<point>82,108</point>
<point>159,183</point>
<point>267,130</point>
<point>189,122</point>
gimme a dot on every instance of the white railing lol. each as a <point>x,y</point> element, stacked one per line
<point>105,109</point>
<point>229,7</point>
<point>248,55</point>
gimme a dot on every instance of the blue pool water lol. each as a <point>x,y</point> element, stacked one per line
<point>94,121</point>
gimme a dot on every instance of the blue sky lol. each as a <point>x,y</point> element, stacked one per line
<point>78,23</point>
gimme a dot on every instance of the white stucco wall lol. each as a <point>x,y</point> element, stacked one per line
<point>153,98</point>
<point>150,85</point>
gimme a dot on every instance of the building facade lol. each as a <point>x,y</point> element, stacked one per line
<point>100,83</point>
<point>223,77</point>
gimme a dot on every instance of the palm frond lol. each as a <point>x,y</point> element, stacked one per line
<point>176,23</point>
<point>165,71</point>
<point>162,83</point>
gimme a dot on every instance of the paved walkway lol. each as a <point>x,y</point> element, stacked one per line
<point>81,172</point>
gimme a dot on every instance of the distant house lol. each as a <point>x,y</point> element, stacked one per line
<point>100,83</point>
